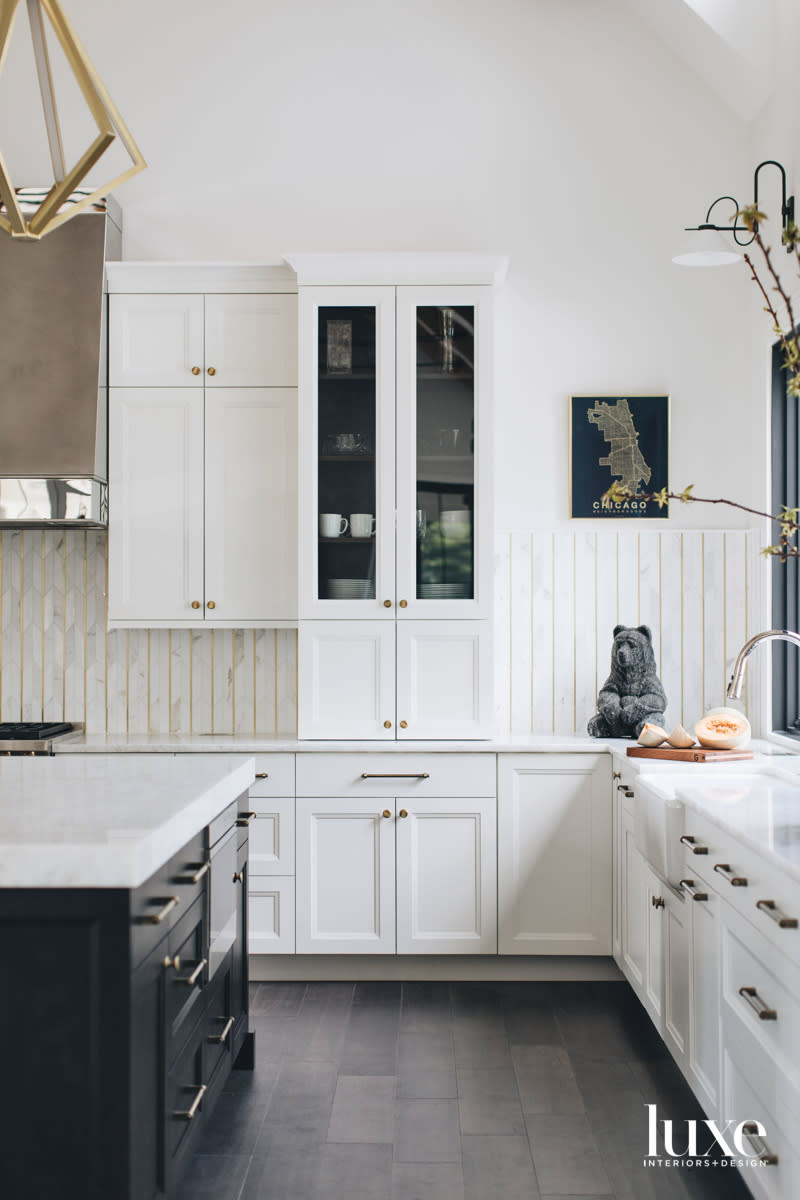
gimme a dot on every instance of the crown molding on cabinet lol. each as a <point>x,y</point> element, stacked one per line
<point>398,268</point>
<point>198,277</point>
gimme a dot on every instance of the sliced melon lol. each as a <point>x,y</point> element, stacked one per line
<point>652,735</point>
<point>680,738</point>
<point>723,729</point>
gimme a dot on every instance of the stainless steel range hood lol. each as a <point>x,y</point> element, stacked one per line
<point>53,378</point>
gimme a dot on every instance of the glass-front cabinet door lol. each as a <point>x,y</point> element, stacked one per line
<point>443,453</point>
<point>347,502</point>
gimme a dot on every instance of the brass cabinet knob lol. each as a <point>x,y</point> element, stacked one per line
<point>211,604</point>
<point>387,812</point>
<point>404,604</point>
<point>238,877</point>
<point>404,724</point>
<point>195,370</point>
<point>195,604</point>
<point>387,724</point>
<point>387,604</point>
<point>403,812</point>
<point>657,901</point>
<point>174,962</point>
<point>212,370</point>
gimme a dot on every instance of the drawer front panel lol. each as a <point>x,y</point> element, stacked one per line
<point>186,968</point>
<point>743,1100</point>
<point>274,775</point>
<point>396,774</point>
<point>184,1097</point>
<point>272,837</point>
<point>220,1021</point>
<point>271,916</point>
<point>160,903</point>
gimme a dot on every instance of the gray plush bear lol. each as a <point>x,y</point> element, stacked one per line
<point>632,695</point>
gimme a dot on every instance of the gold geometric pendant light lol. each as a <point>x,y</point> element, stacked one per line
<point>110,125</point>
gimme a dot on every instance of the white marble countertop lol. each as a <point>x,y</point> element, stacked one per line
<point>107,821</point>
<point>218,743</point>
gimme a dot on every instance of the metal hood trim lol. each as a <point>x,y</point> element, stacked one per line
<point>28,503</point>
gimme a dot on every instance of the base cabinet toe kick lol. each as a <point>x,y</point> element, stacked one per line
<point>130,1009</point>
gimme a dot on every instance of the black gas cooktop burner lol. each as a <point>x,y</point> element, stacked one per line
<point>30,731</point>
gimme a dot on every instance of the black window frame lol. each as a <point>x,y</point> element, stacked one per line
<point>785,437</point>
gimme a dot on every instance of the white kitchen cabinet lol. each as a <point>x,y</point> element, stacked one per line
<point>703,1063</point>
<point>345,679</point>
<point>554,855</point>
<point>271,915</point>
<point>635,903</point>
<point>395,495</point>
<point>675,1016</point>
<point>446,876</point>
<point>202,450</point>
<point>345,876</point>
<point>654,973</point>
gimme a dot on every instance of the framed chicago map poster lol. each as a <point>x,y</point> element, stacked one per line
<point>623,439</point>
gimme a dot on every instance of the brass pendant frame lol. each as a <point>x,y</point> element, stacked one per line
<point>105,114</point>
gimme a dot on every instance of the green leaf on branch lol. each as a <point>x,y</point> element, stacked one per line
<point>686,494</point>
<point>750,217</point>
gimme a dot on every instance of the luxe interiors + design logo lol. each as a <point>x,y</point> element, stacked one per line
<point>736,1144</point>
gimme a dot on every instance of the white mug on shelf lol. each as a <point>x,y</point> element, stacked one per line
<point>332,525</point>
<point>362,525</point>
<point>455,522</point>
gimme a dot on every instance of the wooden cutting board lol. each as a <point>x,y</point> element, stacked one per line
<point>698,754</point>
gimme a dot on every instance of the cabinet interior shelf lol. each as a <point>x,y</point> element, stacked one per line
<point>429,374</point>
<point>343,541</point>
<point>347,458</point>
<point>345,376</point>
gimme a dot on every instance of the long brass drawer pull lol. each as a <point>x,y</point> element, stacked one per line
<point>724,869</point>
<point>262,774</point>
<point>191,980</point>
<point>772,910</point>
<point>162,914</point>
<point>245,818</point>
<point>762,1010</point>
<point>191,1112</point>
<point>219,1038</point>
<point>195,876</point>
<point>690,889</point>
<point>396,775</point>
<point>693,844</point>
<point>762,1150</point>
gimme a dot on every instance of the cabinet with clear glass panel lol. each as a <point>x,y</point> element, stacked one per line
<point>395,504</point>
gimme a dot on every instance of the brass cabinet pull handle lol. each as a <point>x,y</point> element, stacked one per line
<point>404,724</point>
<point>403,812</point>
<point>688,886</point>
<point>238,877</point>
<point>219,1038</point>
<point>195,370</point>
<point>404,604</point>
<point>724,869</point>
<point>191,980</point>
<point>693,844</point>
<point>657,901</point>
<point>763,1152</point>
<point>174,962</point>
<point>262,774</point>
<point>163,912</point>
<point>245,818</point>
<point>762,1010</point>
<point>772,910</point>
<point>387,812</point>
<point>190,1113</point>
<point>195,876</point>
<point>211,604</point>
<point>387,604</point>
<point>396,775</point>
<point>195,604</point>
<point>212,370</point>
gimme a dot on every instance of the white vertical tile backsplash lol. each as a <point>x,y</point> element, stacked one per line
<point>557,599</point>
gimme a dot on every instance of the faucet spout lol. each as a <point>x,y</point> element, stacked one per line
<point>734,689</point>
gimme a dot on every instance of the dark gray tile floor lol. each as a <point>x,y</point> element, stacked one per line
<point>435,1091</point>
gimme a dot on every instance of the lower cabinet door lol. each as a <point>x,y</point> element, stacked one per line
<point>271,915</point>
<point>346,679</point>
<point>444,679</point>
<point>655,907</point>
<point>554,853</point>
<point>345,876</point>
<point>446,876</point>
<point>187,1084</point>
<point>704,998</point>
<point>635,901</point>
<point>675,1027</point>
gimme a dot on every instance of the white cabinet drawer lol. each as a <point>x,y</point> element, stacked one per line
<point>763,894</point>
<point>274,776</point>
<point>771,986</point>
<point>272,836</point>
<point>396,774</point>
<point>271,916</point>
<point>744,1101</point>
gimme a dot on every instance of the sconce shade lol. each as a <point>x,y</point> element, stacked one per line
<point>706,248</point>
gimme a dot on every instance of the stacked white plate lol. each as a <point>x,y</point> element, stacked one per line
<point>351,589</point>
<point>443,591</point>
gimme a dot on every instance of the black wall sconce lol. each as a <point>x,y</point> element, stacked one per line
<point>712,251</point>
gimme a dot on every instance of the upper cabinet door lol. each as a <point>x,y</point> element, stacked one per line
<point>345,680</point>
<point>251,340</point>
<point>156,340</point>
<point>444,679</point>
<point>250,514</point>
<point>155,529</point>
<point>347,418</point>
<point>444,452</point>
